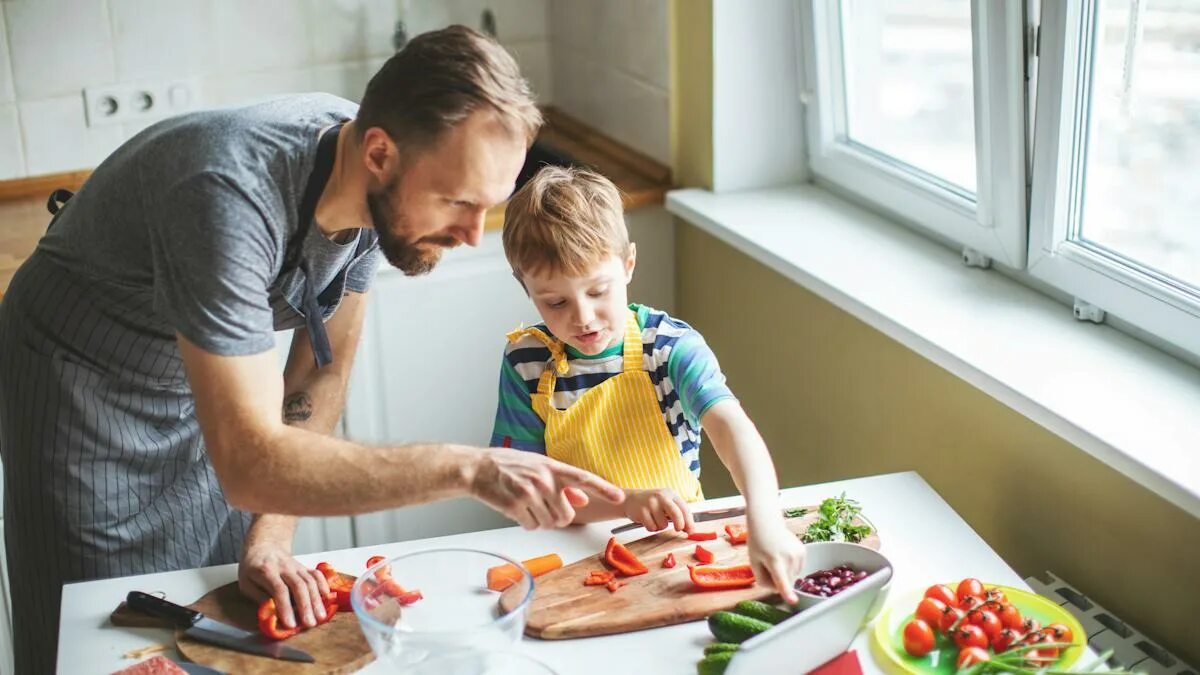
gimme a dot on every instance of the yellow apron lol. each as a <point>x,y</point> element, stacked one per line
<point>615,430</point>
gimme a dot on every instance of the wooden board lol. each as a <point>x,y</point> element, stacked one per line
<point>338,646</point>
<point>562,607</point>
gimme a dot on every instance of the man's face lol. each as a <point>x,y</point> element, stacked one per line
<point>437,199</point>
<point>587,312</point>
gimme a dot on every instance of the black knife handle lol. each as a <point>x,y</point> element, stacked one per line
<point>180,616</point>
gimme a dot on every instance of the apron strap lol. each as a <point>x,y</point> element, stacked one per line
<point>633,344</point>
<point>313,319</point>
<point>558,357</point>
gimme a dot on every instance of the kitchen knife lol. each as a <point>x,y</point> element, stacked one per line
<point>203,629</point>
<point>197,669</point>
<point>696,517</point>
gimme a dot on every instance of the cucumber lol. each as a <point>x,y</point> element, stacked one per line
<point>718,647</point>
<point>761,611</point>
<point>732,627</point>
<point>714,664</point>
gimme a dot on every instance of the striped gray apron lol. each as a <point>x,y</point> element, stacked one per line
<point>104,464</point>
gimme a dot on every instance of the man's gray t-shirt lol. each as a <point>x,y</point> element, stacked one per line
<point>184,229</point>
<point>202,208</point>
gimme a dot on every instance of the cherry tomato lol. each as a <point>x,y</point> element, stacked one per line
<point>970,603</point>
<point>918,638</point>
<point>1011,617</point>
<point>995,594</point>
<point>969,635</point>
<point>972,655</point>
<point>1030,625</point>
<point>930,611</point>
<point>942,593</point>
<point>1040,658</point>
<point>1058,633</point>
<point>987,621</point>
<point>1005,639</point>
<point>949,617</point>
<point>970,587</point>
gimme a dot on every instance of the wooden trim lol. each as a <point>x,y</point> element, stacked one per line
<point>622,154</point>
<point>41,186</point>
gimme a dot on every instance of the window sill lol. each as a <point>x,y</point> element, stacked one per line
<point>1122,401</point>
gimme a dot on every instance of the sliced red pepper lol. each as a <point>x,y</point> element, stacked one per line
<point>737,533</point>
<point>703,555</point>
<point>613,585</point>
<point>268,622</point>
<point>409,597</point>
<point>739,576</point>
<point>669,561</point>
<point>338,584</point>
<point>390,585</point>
<point>702,536</point>
<point>598,578</point>
<point>623,559</point>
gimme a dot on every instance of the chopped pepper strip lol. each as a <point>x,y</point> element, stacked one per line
<point>613,585</point>
<point>702,536</point>
<point>338,584</point>
<point>710,578</point>
<point>703,555</point>
<point>669,561</point>
<point>268,618</point>
<point>598,578</point>
<point>737,533</point>
<point>623,559</point>
<point>390,585</point>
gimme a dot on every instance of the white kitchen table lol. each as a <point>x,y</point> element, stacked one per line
<point>922,536</point>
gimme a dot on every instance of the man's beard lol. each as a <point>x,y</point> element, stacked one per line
<point>409,257</point>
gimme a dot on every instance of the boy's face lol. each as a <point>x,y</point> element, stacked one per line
<point>586,312</point>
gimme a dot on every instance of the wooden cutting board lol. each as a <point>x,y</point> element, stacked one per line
<point>562,607</point>
<point>338,646</point>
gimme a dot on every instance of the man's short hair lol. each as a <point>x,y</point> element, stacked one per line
<point>438,80</point>
<point>564,220</point>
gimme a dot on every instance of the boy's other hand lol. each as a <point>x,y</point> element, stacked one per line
<point>778,555</point>
<point>656,509</point>
<point>534,490</point>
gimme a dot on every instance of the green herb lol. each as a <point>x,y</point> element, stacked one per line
<point>1014,662</point>
<point>836,522</point>
<point>795,513</point>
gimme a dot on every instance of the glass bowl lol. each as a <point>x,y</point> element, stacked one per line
<point>481,663</point>
<point>454,613</point>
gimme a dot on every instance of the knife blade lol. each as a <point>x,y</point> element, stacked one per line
<point>197,669</point>
<point>701,517</point>
<point>203,629</point>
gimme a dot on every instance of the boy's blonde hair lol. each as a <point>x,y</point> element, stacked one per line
<point>564,221</point>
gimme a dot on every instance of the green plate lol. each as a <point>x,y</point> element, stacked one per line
<point>887,638</point>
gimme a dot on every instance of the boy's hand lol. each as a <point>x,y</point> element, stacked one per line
<point>534,490</point>
<point>778,555</point>
<point>656,509</point>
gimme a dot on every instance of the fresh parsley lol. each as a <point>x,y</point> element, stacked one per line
<point>836,522</point>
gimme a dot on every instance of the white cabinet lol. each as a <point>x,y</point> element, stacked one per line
<point>428,369</point>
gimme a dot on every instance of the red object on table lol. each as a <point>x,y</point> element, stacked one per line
<point>158,665</point>
<point>846,664</point>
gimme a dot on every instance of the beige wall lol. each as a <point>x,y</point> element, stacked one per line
<point>835,398</point>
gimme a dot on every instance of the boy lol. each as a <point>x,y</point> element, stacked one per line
<point>622,390</point>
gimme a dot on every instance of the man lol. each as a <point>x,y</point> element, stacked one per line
<point>140,400</point>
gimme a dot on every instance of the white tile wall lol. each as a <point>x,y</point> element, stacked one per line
<point>611,69</point>
<point>238,51</point>
<point>7,95</point>
<point>12,155</point>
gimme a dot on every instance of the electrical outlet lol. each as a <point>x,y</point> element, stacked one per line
<point>139,102</point>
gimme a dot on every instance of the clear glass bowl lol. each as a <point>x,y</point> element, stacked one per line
<point>456,612</point>
<point>481,663</point>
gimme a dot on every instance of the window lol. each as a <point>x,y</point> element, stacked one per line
<point>1115,191</point>
<point>918,107</point>
<point>1073,159</point>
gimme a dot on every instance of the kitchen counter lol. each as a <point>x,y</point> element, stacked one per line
<point>23,215</point>
<point>921,535</point>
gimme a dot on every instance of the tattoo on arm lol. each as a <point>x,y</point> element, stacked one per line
<point>297,408</point>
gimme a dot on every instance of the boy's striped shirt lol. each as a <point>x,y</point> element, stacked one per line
<point>684,371</point>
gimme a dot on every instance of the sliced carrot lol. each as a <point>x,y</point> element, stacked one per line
<point>501,577</point>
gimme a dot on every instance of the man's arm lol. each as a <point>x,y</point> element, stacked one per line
<point>313,400</point>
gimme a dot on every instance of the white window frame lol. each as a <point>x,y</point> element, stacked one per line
<point>1132,293</point>
<point>994,222</point>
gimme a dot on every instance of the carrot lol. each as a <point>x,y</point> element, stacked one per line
<point>503,576</point>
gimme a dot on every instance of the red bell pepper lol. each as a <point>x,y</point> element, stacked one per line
<point>737,533</point>
<point>715,578</point>
<point>390,585</point>
<point>613,585</point>
<point>268,618</point>
<point>598,578</point>
<point>702,536</point>
<point>703,555</point>
<point>669,561</point>
<point>338,584</point>
<point>622,559</point>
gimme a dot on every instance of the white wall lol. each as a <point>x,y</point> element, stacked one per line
<point>611,69</point>
<point>237,51</point>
